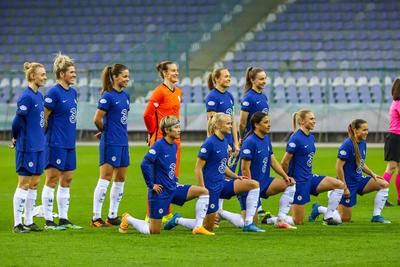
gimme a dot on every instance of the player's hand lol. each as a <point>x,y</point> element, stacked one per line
<point>12,144</point>
<point>289,180</point>
<point>148,139</point>
<point>346,193</point>
<point>242,177</point>
<point>236,151</point>
<point>98,135</point>
<point>377,177</point>
<point>157,188</point>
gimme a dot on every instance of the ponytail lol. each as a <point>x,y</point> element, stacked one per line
<point>355,124</point>
<point>297,116</point>
<point>107,78</point>
<point>212,77</point>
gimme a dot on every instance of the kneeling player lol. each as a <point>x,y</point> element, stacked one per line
<point>158,169</point>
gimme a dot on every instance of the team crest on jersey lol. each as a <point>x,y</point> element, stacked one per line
<point>152,151</point>
<point>246,103</point>
<point>211,103</point>
<point>48,100</point>
<point>103,101</point>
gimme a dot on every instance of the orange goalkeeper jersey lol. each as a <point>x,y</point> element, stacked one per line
<point>162,102</point>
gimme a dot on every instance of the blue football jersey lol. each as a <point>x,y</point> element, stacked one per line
<point>303,149</point>
<point>259,152</point>
<point>352,173</point>
<point>31,133</point>
<point>221,102</point>
<point>116,106</point>
<point>253,102</point>
<point>61,127</point>
<point>215,152</point>
<point>163,156</point>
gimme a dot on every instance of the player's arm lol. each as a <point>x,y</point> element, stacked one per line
<point>246,163</point>
<point>98,121</point>
<point>244,115</point>
<point>370,172</point>
<point>198,171</point>
<point>287,157</point>
<point>150,111</point>
<point>17,125</point>
<point>340,175</point>
<point>147,167</point>
<point>235,136</point>
<point>47,113</point>
<point>277,167</point>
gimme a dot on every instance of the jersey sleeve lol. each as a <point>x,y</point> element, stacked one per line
<point>247,150</point>
<point>246,104</point>
<point>291,146</point>
<point>205,151</point>
<point>155,101</point>
<point>345,151</point>
<point>128,100</point>
<point>271,151</point>
<point>24,105</point>
<point>152,154</point>
<point>211,103</point>
<point>51,99</point>
<point>104,102</point>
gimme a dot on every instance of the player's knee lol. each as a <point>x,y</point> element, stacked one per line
<point>204,191</point>
<point>339,185</point>
<point>254,184</point>
<point>119,179</point>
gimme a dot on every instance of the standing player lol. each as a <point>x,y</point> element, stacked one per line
<point>28,140</point>
<point>256,159</point>
<point>111,121</point>
<point>254,100</point>
<point>349,167</point>
<point>158,167</point>
<point>165,100</point>
<point>60,122</point>
<point>392,140</point>
<point>211,168</point>
<point>297,162</point>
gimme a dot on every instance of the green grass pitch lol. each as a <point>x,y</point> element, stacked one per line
<point>359,242</point>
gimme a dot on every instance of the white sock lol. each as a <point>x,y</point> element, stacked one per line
<point>188,223</point>
<point>140,225</point>
<point>117,189</point>
<point>47,202</point>
<point>234,218</point>
<point>380,200</point>
<point>18,204</point>
<point>322,210</point>
<point>286,200</point>
<point>98,197</point>
<point>63,197</point>
<point>201,209</point>
<point>335,214</point>
<point>220,204</point>
<point>29,206</point>
<point>334,198</point>
<point>251,205</point>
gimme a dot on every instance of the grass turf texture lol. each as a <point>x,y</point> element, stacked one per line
<point>359,242</point>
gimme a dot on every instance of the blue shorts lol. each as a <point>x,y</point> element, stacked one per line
<point>29,163</point>
<point>263,193</point>
<point>116,156</point>
<point>159,203</point>
<point>226,193</point>
<point>63,159</point>
<point>354,190</point>
<point>303,190</point>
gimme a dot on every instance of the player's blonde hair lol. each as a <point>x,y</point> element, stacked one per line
<point>215,121</point>
<point>299,116</point>
<point>30,68</point>
<point>61,64</point>
<point>213,76</point>
<point>167,122</point>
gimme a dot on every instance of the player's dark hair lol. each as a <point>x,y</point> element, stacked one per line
<point>354,125</point>
<point>213,76</point>
<point>163,66</point>
<point>107,76</point>
<point>251,74</point>
<point>299,115</point>
<point>61,64</point>
<point>167,122</point>
<point>396,89</point>
<point>255,119</point>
